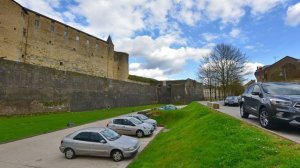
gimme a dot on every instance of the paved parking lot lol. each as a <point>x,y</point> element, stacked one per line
<point>292,132</point>
<point>42,152</point>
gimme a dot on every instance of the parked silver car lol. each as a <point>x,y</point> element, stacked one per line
<point>168,107</point>
<point>130,126</point>
<point>99,142</point>
<point>144,119</point>
<point>232,100</point>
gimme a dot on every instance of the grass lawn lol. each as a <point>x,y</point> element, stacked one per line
<point>18,127</point>
<point>202,137</point>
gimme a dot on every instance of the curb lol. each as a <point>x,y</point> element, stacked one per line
<point>257,126</point>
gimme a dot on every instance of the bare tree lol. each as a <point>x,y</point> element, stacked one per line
<point>227,64</point>
<point>206,75</point>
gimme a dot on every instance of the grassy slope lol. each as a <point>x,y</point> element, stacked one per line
<point>12,128</point>
<point>201,137</point>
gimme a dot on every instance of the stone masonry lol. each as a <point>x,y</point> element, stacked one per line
<point>26,88</point>
<point>29,37</point>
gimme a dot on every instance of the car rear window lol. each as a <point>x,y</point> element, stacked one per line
<point>83,136</point>
<point>118,121</point>
<point>281,89</point>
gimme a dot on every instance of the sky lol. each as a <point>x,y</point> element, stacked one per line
<point>167,39</point>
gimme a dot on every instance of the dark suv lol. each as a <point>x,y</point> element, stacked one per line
<point>273,103</point>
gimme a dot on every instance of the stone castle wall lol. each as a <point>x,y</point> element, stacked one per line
<point>29,37</point>
<point>26,88</point>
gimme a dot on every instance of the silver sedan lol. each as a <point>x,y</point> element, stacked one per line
<point>130,126</point>
<point>144,119</point>
<point>99,142</point>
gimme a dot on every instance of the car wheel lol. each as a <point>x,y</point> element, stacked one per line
<point>265,119</point>
<point>117,155</point>
<point>243,113</point>
<point>139,133</point>
<point>69,153</point>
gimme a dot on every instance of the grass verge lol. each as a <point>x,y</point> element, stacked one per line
<point>202,137</point>
<point>18,127</point>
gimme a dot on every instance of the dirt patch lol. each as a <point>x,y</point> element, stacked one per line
<point>165,130</point>
<point>151,113</point>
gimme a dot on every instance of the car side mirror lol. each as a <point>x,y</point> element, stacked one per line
<point>255,93</point>
<point>103,141</point>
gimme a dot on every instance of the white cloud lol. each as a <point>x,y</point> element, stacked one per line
<point>262,6</point>
<point>235,32</point>
<point>45,7</point>
<point>231,11</point>
<point>119,18</point>
<point>250,67</point>
<point>134,66</point>
<point>187,11</point>
<point>250,47</point>
<point>209,45</point>
<point>228,11</point>
<point>158,53</point>
<point>156,73</point>
<point>124,18</point>
<point>293,15</point>
<point>209,37</point>
<point>164,48</point>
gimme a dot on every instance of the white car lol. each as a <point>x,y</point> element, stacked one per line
<point>130,126</point>
<point>144,119</point>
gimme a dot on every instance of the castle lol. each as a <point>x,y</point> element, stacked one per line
<point>29,37</point>
<point>47,66</point>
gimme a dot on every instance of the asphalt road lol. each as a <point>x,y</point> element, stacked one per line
<point>42,152</point>
<point>292,132</point>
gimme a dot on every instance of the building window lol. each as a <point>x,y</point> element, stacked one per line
<point>37,21</point>
<point>77,38</point>
<point>66,32</point>
<point>52,26</point>
<point>61,63</point>
<point>24,32</point>
<point>87,42</point>
<point>97,45</point>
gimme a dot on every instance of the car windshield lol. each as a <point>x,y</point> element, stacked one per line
<point>281,89</point>
<point>143,117</point>
<point>110,134</point>
<point>135,121</point>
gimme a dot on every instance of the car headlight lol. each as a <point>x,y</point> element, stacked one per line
<point>280,102</point>
<point>129,149</point>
